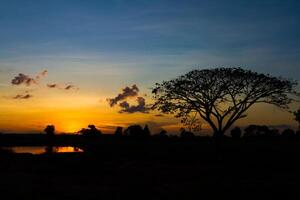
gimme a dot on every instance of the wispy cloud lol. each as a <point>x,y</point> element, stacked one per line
<point>63,87</point>
<point>22,96</point>
<point>23,79</point>
<point>41,74</point>
<point>71,87</point>
<point>54,85</point>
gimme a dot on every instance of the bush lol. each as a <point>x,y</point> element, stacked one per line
<point>288,133</point>
<point>236,132</point>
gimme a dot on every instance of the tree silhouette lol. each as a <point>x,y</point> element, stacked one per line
<point>221,96</point>
<point>49,130</point>
<point>163,133</point>
<point>257,131</point>
<point>146,130</point>
<point>236,132</point>
<point>91,131</point>
<point>134,130</point>
<point>119,131</point>
<point>288,133</point>
<point>137,131</point>
<point>297,116</point>
<point>186,134</point>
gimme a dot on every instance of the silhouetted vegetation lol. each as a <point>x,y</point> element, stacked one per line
<point>129,162</point>
<point>220,96</point>
<point>49,149</point>
<point>186,134</point>
<point>50,130</point>
<point>297,117</point>
<point>288,133</point>
<point>163,134</point>
<point>119,131</point>
<point>4,151</point>
<point>90,131</point>
<point>274,133</point>
<point>137,131</point>
<point>119,162</point>
<point>146,130</point>
<point>298,133</point>
<point>122,167</point>
<point>236,132</point>
<point>256,131</point>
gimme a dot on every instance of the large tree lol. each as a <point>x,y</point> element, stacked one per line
<point>220,96</point>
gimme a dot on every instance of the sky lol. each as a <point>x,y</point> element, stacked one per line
<point>97,48</point>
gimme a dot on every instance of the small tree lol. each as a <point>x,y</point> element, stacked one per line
<point>236,132</point>
<point>186,134</point>
<point>163,133</point>
<point>90,131</point>
<point>134,131</point>
<point>146,130</point>
<point>221,96</point>
<point>297,116</point>
<point>119,131</point>
<point>257,131</point>
<point>49,130</point>
<point>288,133</point>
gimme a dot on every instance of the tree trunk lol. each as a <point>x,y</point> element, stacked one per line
<point>218,134</point>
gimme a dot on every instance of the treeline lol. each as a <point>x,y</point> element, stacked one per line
<point>137,131</point>
<point>263,131</point>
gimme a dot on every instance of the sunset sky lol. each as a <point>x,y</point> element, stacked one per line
<point>73,55</point>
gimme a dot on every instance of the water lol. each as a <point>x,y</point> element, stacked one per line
<point>44,149</point>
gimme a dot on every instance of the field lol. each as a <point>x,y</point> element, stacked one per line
<point>119,168</point>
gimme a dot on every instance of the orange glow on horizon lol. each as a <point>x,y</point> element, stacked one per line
<point>70,113</point>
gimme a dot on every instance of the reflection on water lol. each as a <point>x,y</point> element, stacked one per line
<point>67,149</point>
<point>44,149</point>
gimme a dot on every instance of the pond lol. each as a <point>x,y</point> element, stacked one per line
<point>43,149</point>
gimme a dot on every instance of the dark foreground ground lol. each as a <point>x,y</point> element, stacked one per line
<point>157,169</point>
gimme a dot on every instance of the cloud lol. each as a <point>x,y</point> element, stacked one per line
<point>23,79</point>
<point>126,92</point>
<point>26,95</point>
<point>41,74</point>
<point>54,85</point>
<point>140,107</point>
<point>64,87</point>
<point>23,96</point>
<point>159,115</point>
<point>71,87</point>
<point>124,104</point>
<point>27,80</point>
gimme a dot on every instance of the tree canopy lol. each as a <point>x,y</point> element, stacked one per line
<point>220,96</point>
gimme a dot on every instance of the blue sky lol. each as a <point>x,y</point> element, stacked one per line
<point>34,28</point>
<point>102,46</point>
<point>223,30</point>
